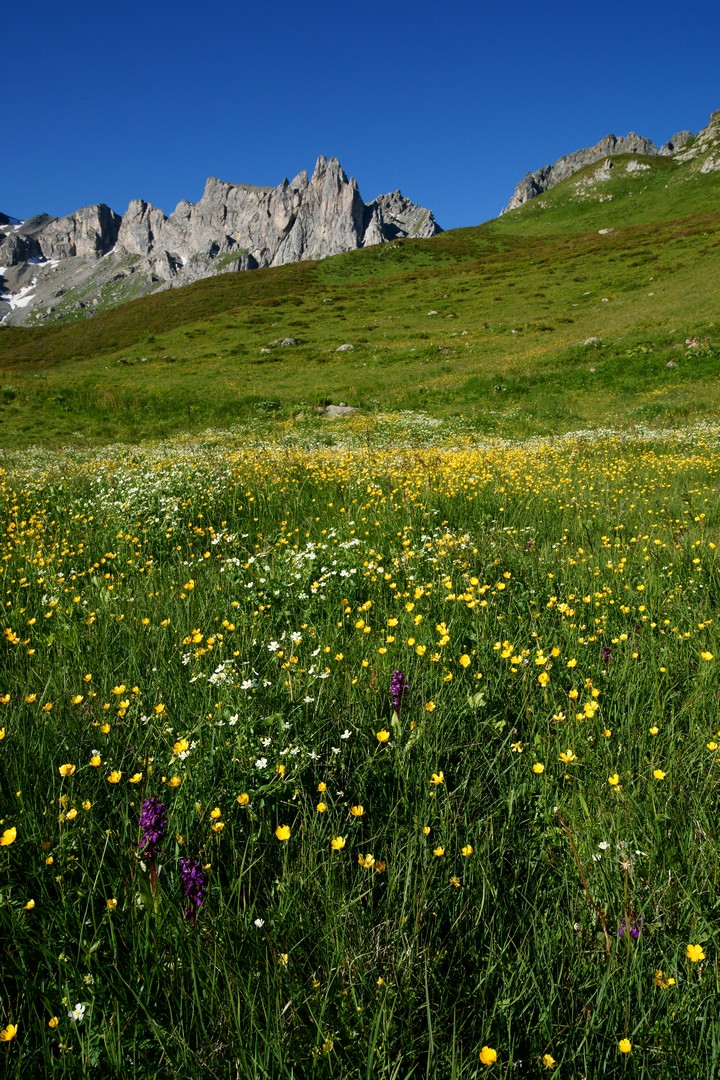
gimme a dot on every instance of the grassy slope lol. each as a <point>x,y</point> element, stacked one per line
<point>515,298</point>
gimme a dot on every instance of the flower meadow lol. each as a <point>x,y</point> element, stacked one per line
<point>368,759</point>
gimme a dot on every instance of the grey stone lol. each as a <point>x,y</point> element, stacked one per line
<point>345,348</point>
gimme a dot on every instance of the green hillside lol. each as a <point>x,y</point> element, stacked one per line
<point>483,325</point>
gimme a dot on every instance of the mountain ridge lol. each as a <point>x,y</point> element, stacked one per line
<point>95,257</point>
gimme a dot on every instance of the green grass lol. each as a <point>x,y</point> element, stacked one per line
<point>221,593</point>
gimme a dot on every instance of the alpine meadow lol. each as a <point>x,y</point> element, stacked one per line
<point>359,656</point>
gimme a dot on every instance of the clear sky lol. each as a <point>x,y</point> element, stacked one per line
<point>452,102</point>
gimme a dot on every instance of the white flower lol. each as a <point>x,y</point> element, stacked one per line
<point>78,1012</point>
<point>259,923</point>
<point>274,646</point>
<point>266,741</point>
<point>296,637</point>
<point>307,700</point>
<point>603,845</point>
<point>346,734</point>
<point>261,763</point>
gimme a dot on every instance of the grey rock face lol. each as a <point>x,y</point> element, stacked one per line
<point>678,142</point>
<point>90,232</point>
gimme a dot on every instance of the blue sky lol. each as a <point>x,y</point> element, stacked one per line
<point>450,102</point>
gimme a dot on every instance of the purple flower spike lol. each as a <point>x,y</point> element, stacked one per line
<point>194,885</point>
<point>632,926</point>
<point>398,686</point>
<point>153,822</point>
<point>606,655</point>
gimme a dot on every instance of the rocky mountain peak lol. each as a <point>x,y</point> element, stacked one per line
<point>231,227</point>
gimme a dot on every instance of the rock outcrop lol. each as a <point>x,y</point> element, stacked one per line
<point>536,183</point>
<point>232,227</point>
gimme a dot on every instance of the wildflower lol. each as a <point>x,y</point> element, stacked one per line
<point>53,1022</point>
<point>455,880</point>
<point>568,756</point>
<point>606,655</point>
<point>516,748</point>
<point>95,760</point>
<point>367,861</point>
<point>181,746</point>
<point>86,805</point>
<point>659,774</point>
<point>614,780</point>
<point>426,830</point>
<point>243,799</point>
<point>398,687</point>
<point>543,678</point>
<point>259,923</point>
<point>706,656</point>
<point>429,706</point>
<point>283,832</point>
<point>488,1056</point>
<point>548,1061</point>
<point>337,843</point>
<point>66,770</point>
<point>174,782</point>
<point>382,736</point>
<point>632,925</point>
<point>438,778</point>
<point>153,822</point>
<point>8,1032</point>
<point>78,1012</point>
<point>322,787</point>
<point>71,814</point>
<point>464,660</point>
<point>321,807</point>
<point>624,1046</point>
<point>115,777</point>
<point>8,837</point>
<point>467,850</point>
<point>217,826</point>
<point>194,886</point>
<point>538,768</point>
<point>111,903</point>
<point>662,981</point>
<point>216,813</point>
<point>30,905</point>
<point>695,953</point>
<point>135,778</point>
<point>357,811</point>
<point>439,852</point>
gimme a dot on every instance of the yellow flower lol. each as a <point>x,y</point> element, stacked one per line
<point>119,689</point>
<point>357,811</point>
<point>218,826</point>
<point>538,768</point>
<point>426,830</point>
<point>659,774</point>
<point>568,756</point>
<point>662,981</point>
<point>367,861</point>
<point>438,778</point>
<point>216,812</point>
<point>321,787</point>
<point>439,852</point>
<point>8,1032</point>
<point>95,760</point>
<point>337,843</point>
<point>76,699</point>
<point>174,782</point>
<point>624,1046</point>
<point>429,706</point>
<point>66,770</point>
<point>8,837</point>
<point>706,656</point>
<point>465,660</point>
<point>284,959</point>
<point>548,1061</point>
<point>543,678</point>
<point>105,728</point>
<point>181,746</point>
<point>283,832</point>
<point>86,805</point>
<point>695,953</point>
<point>653,730</point>
<point>321,807</point>
<point>30,905</point>
<point>71,814</point>
<point>243,799</point>
<point>712,745</point>
<point>53,1022</point>
<point>614,780</point>
<point>382,736</point>
<point>112,904</point>
<point>114,777</point>
<point>467,850</point>
<point>159,709</point>
<point>31,698</point>
<point>455,880</point>
<point>488,1056</point>
<point>135,778</point>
